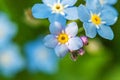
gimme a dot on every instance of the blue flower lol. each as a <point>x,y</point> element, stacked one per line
<point>7,29</point>
<point>10,60</point>
<point>63,39</point>
<point>96,19</point>
<point>56,10</point>
<point>41,58</point>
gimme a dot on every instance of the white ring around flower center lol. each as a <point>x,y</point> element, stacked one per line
<point>96,19</point>
<point>58,8</point>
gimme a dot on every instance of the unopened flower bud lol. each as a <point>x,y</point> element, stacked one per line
<point>74,55</point>
<point>84,40</point>
<point>81,52</point>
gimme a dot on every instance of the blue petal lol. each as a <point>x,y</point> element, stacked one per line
<point>90,29</point>
<point>72,29</point>
<point>49,2</point>
<point>57,17</point>
<point>56,28</point>
<point>109,17</point>
<point>71,13</point>
<point>68,2</point>
<point>93,5</point>
<point>61,50</point>
<point>105,32</point>
<point>83,13</point>
<point>50,41</point>
<point>110,9</point>
<point>75,43</point>
<point>110,2</point>
<point>41,11</point>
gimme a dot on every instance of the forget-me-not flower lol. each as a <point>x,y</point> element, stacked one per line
<point>56,10</point>
<point>40,58</point>
<point>11,61</point>
<point>96,19</point>
<point>63,39</point>
<point>7,29</point>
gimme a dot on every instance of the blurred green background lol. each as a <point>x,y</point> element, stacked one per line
<point>100,62</point>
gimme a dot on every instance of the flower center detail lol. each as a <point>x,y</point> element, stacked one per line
<point>58,8</point>
<point>63,38</point>
<point>96,19</point>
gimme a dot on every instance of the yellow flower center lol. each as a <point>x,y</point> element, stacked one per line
<point>63,38</point>
<point>58,8</point>
<point>95,19</point>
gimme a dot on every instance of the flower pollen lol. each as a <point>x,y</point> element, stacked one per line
<point>96,19</point>
<point>58,8</point>
<point>63,38</point>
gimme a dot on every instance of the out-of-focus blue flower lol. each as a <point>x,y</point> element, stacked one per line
<point>7,29</point>
<point>96,19</point>
<point>108,2</point>
<point>63,39</point>
<point>56,10</point>
<point>10,60</point>
<point>41,58</point>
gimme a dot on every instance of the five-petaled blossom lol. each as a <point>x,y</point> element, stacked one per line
<point>63,39</point>
<point>96,19</point>
<point>56,10</point>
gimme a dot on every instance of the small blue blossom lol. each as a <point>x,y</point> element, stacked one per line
<point>63,39</point>
<point>7,29</point>
<point>97,19</point>
<point>56,10</point>
<point>10,60</point>
<point>41,58</point>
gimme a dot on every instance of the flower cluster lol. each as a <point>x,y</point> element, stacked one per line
<point>97,17</point>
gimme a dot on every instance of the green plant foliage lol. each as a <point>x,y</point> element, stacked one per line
<point>100,62</point>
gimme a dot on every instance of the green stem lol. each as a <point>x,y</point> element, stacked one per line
<point>80,30</point>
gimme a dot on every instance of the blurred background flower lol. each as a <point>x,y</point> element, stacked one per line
<point>41,58</point>
<point>10,60</point>
<point>8,29</point>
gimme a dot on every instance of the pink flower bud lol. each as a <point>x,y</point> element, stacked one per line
<point>81,52</point>
<point>84,40</point>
